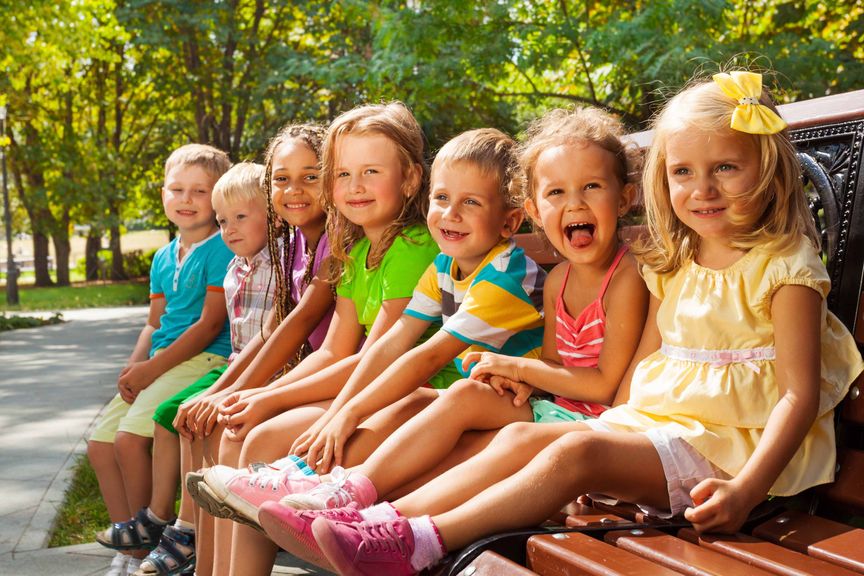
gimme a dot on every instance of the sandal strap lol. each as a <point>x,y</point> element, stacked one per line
<point>167,551</point>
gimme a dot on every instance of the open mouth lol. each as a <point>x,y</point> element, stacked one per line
<point>579,234</point>
<point>709,211</point>
<point>294,206</point>
<point>452,234</point>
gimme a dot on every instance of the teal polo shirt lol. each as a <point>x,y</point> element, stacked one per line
<point>184,286</point>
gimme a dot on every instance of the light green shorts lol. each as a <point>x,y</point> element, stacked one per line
<point>547,412</point>
<point>137,418</point>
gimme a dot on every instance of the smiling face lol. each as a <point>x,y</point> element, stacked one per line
<point>369,184</point>
<point>296,187</point>
<point>578,200</point>
<point>467,216</point>
<point>706,172</point>
<point>243,224</point>
<point>186,199</point>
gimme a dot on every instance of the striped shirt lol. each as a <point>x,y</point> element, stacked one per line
<point>248,298</point>
<point>579,340</point>
<point>497,308</point>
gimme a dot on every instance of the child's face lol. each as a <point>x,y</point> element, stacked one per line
<point>244,226</point>
<point>186,199</point>
<point>467,216</point>
<point>296,186</point>
<point>705,170</point>
<point>578,200</point>
<point>369,186</point>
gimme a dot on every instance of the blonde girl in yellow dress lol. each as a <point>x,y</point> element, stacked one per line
<point>736,377</point>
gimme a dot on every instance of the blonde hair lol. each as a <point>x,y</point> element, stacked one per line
<point>561,127</point>
<point>312,135</point>
<point>212,160</point>
<point>242,182</point>
<point>395,122</point>
<point>491,151</point>
<point>776,212</point>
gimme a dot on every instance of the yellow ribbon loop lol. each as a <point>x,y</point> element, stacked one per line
<point>749,116</point>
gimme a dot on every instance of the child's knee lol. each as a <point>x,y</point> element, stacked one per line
<point>128,445</point>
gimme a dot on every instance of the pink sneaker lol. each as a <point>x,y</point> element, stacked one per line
<point>291,529</point>
<point>342,489</point>
<point>367,548</point>
<point>237,494</point>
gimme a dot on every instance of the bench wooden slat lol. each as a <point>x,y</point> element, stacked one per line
<point>765,555</point>
<point>577,554</point>
<point>819,537</point>
<point>679,555</point>
<point>491,564</point>
<point>578,515</point>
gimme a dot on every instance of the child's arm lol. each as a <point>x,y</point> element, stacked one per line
<point>345,332</point>
<point>626,304</point>
<point>142,346</point>
<point>723,505</point>
<point>141,374</point>
<point>391,370</point>
<point>648,344</point>
<point>259,360</point>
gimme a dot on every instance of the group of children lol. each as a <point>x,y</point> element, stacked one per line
<point>360,385</point>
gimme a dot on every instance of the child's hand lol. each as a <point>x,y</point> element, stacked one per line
<point>243,415</point>
<point>488,364</point>
<point>302,443</point>
<point>721,506</point>
<point>205,417</point>
<point>133,378</point>
<point>521,391</point>
<point>327,447</point>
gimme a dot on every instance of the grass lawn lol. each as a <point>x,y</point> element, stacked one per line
<point>83,512</point>
<point>78,296</point>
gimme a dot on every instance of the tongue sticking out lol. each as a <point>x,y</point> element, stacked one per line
<point>581,237</point>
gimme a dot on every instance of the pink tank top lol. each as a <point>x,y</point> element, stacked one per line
<point>579,340</point>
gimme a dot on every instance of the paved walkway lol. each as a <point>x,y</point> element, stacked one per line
<point>54,381</point>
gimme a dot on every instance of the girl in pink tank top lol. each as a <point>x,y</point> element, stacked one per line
<point>577,178</point>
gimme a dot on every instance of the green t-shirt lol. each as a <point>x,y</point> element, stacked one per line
<point>396,277</point>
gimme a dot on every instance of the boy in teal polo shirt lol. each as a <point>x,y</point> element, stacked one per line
<point>185,336</point>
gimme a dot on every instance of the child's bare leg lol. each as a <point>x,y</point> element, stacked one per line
<point>469,445</point>
<point>166,472</point>
<point>229,455</point>
<point>435,432</point>
<point>133,456</point>
<point>204,453</point>
<point>575,464</point>
<point>511,449</point>
<point>251,551</point>
<point>376,429</point>
<point>104,463</point>
<point>190,460</point>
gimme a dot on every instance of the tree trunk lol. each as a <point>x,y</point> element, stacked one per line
<point>62,248</point>
<point>118,270</point>
<point>91,254</point>
<point>40,257</point>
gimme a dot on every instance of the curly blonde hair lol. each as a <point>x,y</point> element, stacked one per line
<point>581,124</point>
<point>776,212</point>
<point>394,121</point>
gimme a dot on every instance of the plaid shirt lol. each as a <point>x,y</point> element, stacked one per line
<point>247,297</point>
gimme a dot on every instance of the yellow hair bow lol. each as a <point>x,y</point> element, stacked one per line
<point>749,116</point>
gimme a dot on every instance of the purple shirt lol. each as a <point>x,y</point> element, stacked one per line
<point>316,338</point>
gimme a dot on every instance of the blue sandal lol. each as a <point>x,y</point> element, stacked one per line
<point>175,555</point>
<point>139,533</point>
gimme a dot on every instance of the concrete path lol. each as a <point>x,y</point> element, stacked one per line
<point>54,380</point>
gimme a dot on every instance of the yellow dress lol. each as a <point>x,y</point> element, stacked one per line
<point>713,383</point>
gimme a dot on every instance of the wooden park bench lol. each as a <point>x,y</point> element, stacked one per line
<point>819,532</point>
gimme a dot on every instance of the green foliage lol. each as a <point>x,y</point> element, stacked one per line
<point>88,296</point>
<point>136,263</point>
<point>16,322</point>
<point>100,91</point>
<point>83,512</point>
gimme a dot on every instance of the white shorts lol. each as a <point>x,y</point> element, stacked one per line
<point>683,467</point>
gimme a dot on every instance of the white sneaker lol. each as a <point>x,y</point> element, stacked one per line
<point>118,565</point>
<point>132,565</point>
